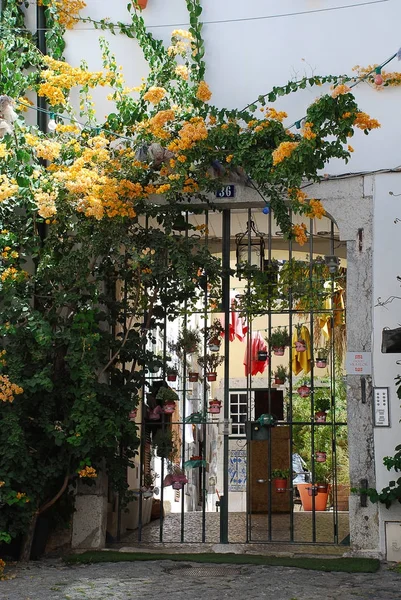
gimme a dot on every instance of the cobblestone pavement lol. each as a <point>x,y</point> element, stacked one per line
<point>51,580</point>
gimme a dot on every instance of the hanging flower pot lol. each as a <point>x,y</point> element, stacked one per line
<point>154,414</point>
<point>321,456</point>
<point>177,485</point>
<point>214,406</point>
<point>133,414</point>
<point>171,377</point>
<point>279,381</point>
<point>279,351</point>
<point>280,485</point>
<point>320,416</point>
<point>304,391</point>
<point>300,346</point>
<point>262,355</point>
<point>214,345</point>
<point>211,376</point>
<point>169,407</point>
<point>321,363</point>
<point>193,376</point>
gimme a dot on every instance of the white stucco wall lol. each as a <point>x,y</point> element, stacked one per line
<point>386,268</point>
<point>247,58</point>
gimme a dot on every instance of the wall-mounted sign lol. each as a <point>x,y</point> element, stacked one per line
<point>228,191</point>
<point>381,407</point>
<point>359,363</point>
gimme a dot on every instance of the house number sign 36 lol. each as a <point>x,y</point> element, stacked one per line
<point>228,191</point>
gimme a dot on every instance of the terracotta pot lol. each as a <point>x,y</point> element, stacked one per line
<point>279,351</point>
<point>171,377</point>
<point>169,407</point>
<point>300,346</point>
<point>211,376</point>
<point>307,501</point>
<point>321,363</point>
<point>214,345</point>
<point>280,485</point>
<point>278,381</point>
<point>142,3</point>
<point>303,391</point>
<point>262,355</point>
<point>193,377</point>
<point>214,406</point>
<point>320,416</point>
<point>321,456</point>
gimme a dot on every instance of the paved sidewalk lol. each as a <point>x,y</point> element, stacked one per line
<point>52,580</point>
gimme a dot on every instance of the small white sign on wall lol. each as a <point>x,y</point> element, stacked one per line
<point>381,407</point>
<point>359,363</point>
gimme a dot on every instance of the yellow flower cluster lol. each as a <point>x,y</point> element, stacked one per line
<point>340,89</point>
<point>3,361</point>
<point>182,33</point>
<point>182,71</point>
<point>389,78</point>
<point>3,150</point>
<point>190,133</point>
<point>307,132</point>
<point>46,203</point>
<point>2,483</point>
<point>363,121</point>
<point>12,274</point>
<point>299,232</point>
<point>8,390</point>
<point>203,92</point>
<point>179,47</point>
<point>21,495</point>
<point>316,209</point>
<point>61,77</point>
<point>67,11</point>
<point>154,95</point>
<point>24,103</point>
<point>158,121</point>
<point>88,472</point>
<point>48,149</point>
<point>297,194</point>
<point>60,128</point>
<point>272,113</point>
<point>284,150</point>
<point>8,188</point>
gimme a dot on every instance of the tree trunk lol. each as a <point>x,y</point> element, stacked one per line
<point>26,548</point>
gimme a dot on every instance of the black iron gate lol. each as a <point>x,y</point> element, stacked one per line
<point>243,422</point>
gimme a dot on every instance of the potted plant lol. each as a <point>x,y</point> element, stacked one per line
<point>171,373</point>
<point>193,376</point>
<point>209,363</point>
<point>164,443</point>
<point>300,343</point>
<point>280,375</point>
<point>278,340</point>
<point>188,341</point>
<point>280,479</point>
<point>322,477</point>
<point>321,357</point>
<point>320,456</point>
<point>214,406</point>
<point>322,406</point>
<point>213,334</point>
<point>304,390</point>
<point>167,397</point>
<point>176,478</point>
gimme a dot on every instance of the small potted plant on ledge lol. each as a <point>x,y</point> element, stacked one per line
<point>172,373</point>
<point>280,375</point>
<point>300,343</point>
<point>322,406</point>
<point>213,334</point>
<point>280,479</point>
<point>188,341</point>
<point>321,357</point>
<point>214,406</point>
<point>209,363</point>
<point>167,397</point>
<point>304,390</point>
<point>279,339</point>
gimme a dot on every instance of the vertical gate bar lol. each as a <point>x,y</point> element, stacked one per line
<point>269,401</point>
<point>143,425</point>
<point>290,391</point>
<point>161,518</point>
<point>312,382</point>
<point>204,426</point>
<point>250,412</point>
<point>184,400</point>
<point>333,395</point>
<point>250,408</point>
<point>226,309</point>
